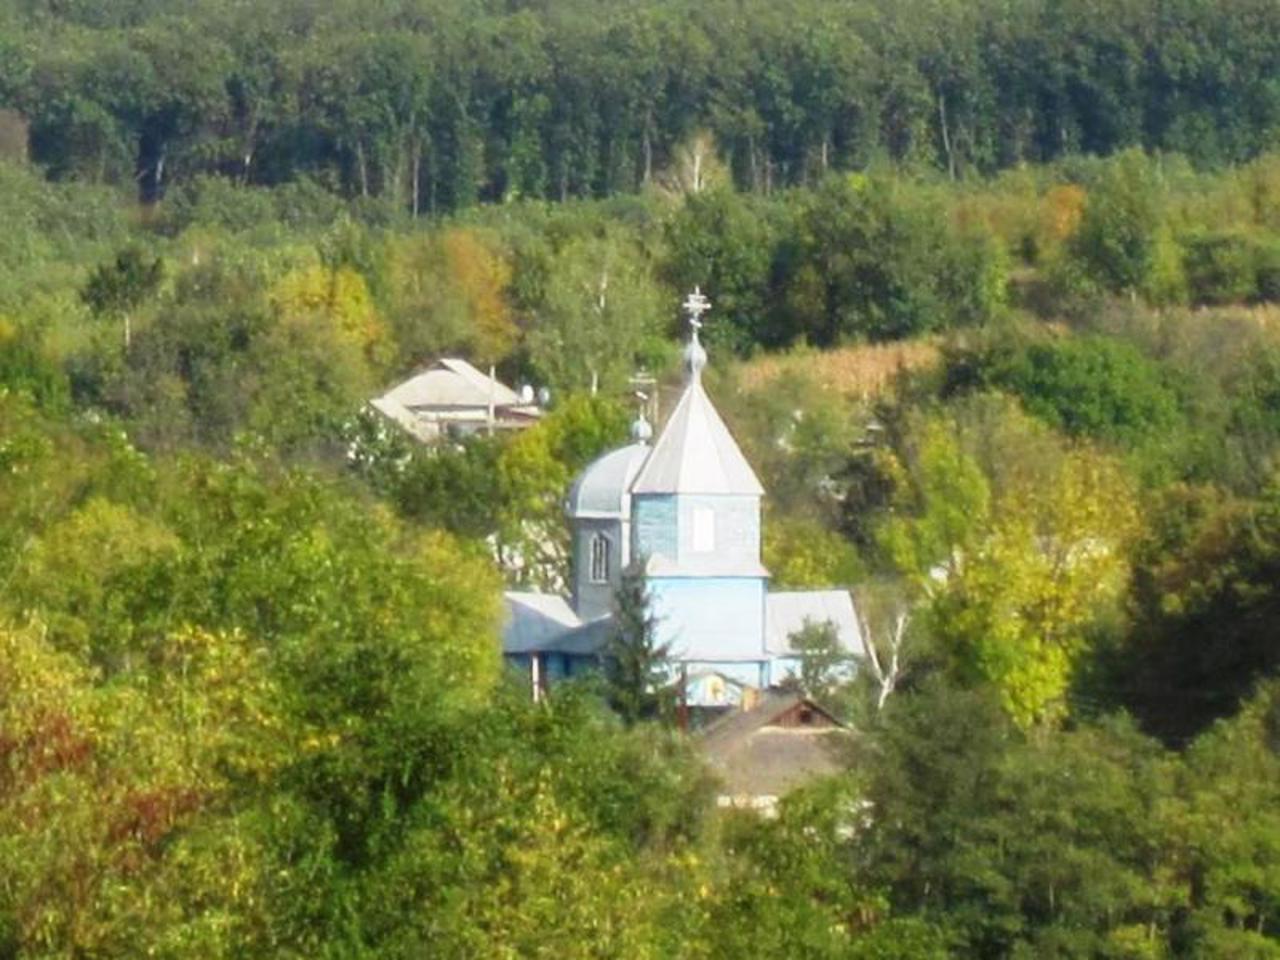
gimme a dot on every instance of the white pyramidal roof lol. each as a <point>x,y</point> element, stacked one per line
<point>696,453</point>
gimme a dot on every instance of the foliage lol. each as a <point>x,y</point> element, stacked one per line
<point>867,261</point>
<point>598,318</point>
<point>1014,581</point>
<point>1094,386</point>
<point>635,663</point>
<point>1204,592</point>
<point>251,702</point>
<point>429,109</point>
<point>822,660</point>
<point>1116,241</point>
<point>802,553</point>
<point>449,292</point>
<point>718,241</point>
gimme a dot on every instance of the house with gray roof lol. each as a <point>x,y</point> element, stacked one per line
<point>451,395</point>
<point>688,506</point>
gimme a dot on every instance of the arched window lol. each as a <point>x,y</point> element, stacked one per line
<point>600,558</point>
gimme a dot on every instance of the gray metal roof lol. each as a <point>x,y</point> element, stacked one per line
<point>451,382</point>
<point>545,623</point>
<point>786,612</point>
<point>696,453</point>
<point>601,489</point>
<point>535,621</point>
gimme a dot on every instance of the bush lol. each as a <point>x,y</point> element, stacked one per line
<point>1220,267</point>
<point>1095,386</point>
<point>877,259</point>
<point>1267,270</point>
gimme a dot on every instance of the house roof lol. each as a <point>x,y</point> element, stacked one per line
<point>786,612</point>
<point>734,728</point>
<point>545,623</point>
<point>451,382</point>
<point>601,489</point>
<point>756,756</point>
<point>535,621</point>
<point>695,453</point>
<point>394,410</point>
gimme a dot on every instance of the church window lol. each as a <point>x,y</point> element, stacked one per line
<point>704,530</point>
<point>600,558</point>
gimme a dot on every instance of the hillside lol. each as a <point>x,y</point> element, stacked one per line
<point>995,322</point>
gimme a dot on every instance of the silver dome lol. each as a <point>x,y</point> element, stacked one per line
<point>601,490</point>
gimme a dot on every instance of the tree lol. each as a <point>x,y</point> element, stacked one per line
<point>448,291</point>
<point>1093,386</point>
<point>600,316</point>
<point>1015,568</point>
<point>635,663</point>
<point>884,618</point>
<point>805,553</point>
<point>115,290</point>
<point>1116,241</point>
<point>867,258</point>
<point>1204,594</point>
<point>822,659</point>
<point>718,241</point>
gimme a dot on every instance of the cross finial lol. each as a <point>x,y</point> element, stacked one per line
<point>696,305</point>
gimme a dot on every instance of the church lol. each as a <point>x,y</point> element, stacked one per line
<point>687,505</point>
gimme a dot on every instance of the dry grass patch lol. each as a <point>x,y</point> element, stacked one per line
<point>857,372</point>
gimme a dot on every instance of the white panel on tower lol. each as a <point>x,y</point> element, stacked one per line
<point>704,530</point>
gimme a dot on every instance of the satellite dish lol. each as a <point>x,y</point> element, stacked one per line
<point>526,394</point>
<point>544,395</point>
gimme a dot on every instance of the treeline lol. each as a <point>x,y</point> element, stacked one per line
<point>570,294</point>
<point>432,107</point>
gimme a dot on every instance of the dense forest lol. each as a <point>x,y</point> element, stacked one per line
<point>433,105</point>
<point>996,318</point>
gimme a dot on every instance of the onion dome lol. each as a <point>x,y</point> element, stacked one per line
<point>641,429</point>
<point>602,490</point>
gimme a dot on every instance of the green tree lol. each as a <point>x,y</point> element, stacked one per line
<point>1203,595</point>
<point>1014,581</point>
<point>822,659</point>
<point>115,290</point>
<point>600,316</point>
<point>869,258</point>
<point>636,666</point>
<point>1116,241</point>
<point>718,241</point>
<point>1093,386</point>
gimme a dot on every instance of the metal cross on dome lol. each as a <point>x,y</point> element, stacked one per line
<point>696,305</point>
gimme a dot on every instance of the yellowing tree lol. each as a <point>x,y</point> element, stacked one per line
<point>338,300</point>
<point>804,553</point>
<point>1011,590</point>
<point>115,830</point>
<point>481,278</point>
<point>448,292</point>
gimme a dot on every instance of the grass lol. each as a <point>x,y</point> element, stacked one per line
<point>857,372</point>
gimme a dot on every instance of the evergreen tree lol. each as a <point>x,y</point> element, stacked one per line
<point>635,663</point>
